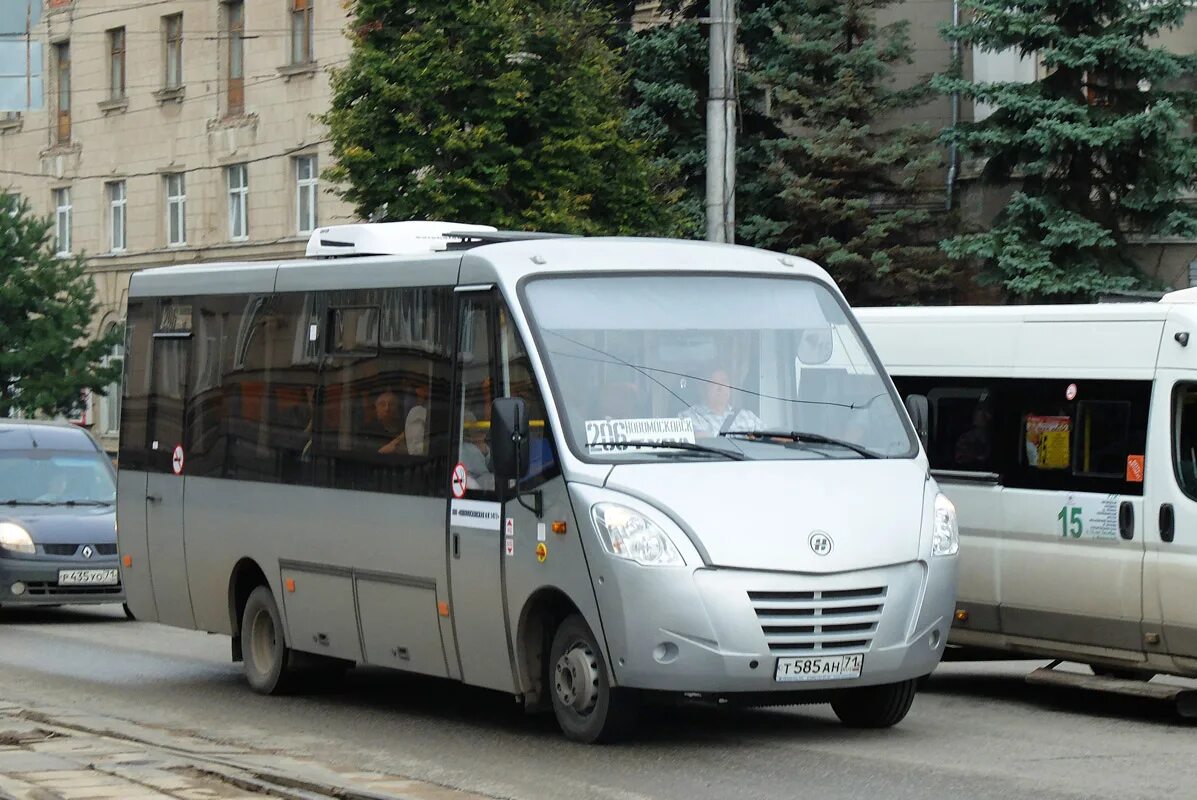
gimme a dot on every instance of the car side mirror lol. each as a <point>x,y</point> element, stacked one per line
<point>920,416</point>
<point>509,442</point>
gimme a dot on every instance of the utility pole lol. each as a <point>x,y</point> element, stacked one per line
<point>721,124</point>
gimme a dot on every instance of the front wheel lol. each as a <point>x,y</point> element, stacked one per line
<point>875,706</point>
<point>264,652</point>
<point>588,708</point>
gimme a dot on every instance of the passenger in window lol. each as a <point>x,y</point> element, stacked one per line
<point>387,426</point>
<point>415,428</point>
<point>718,414</point>
<point>475,454</point>
<point>973,448</point>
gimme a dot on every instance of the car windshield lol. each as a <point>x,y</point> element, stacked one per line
<point>47,477</point>
<point>762,368</point>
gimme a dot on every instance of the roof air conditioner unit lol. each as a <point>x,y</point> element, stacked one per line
<point>387,238</point>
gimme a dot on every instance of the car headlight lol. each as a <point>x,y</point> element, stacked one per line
<point>629,534</point>
<point>946,536</point>
<point>15,539</point>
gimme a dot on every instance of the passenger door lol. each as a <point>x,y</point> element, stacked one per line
<point>167,465</point>
<point>1172,515</point>
<point>476,590</point>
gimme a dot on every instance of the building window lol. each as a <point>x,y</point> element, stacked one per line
<point>176,209</point>
<point>301,31</point>
<point>235,16</point>
<point>117,218</point>
<point>173,31</point>
<point>62,222</point>
<point>62,61</point>
<point>116,63</point>
<point>307,185</point>
<point>238,202</point>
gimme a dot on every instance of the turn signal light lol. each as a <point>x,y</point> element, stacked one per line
<point>559,526</point>
<point>961,615</point>
<point>127,561</point>
<point>442,608</point>
<point>290,583</point>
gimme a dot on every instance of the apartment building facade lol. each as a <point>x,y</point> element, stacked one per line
<point>177,131</point>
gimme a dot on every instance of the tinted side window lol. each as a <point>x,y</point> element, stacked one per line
<point>169,362</point>
<point>382,408</point>
<point>521,382</point>
<point>134,446</point>
<point>216,320</point>
<point>1184,437</point>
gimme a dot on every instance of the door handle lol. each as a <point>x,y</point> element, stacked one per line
<point>153,498</point>
<point>1167,523</point>
<point>457,545</point>
<point>1126,520</point>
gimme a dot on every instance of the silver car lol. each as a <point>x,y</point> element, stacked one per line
<point>57,517</point>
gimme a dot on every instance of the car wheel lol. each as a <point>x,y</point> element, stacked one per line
<point>875,706</point>
<point>588,708</point>
<point>265,655</point>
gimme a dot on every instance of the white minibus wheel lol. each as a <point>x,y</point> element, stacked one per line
<point>264,652</point>
<point>875,706</point>
<point>588,708</point>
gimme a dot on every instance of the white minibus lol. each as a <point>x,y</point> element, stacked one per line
<point>1067,438</point>
<point>584,472</point>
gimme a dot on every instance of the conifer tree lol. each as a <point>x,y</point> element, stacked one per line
<point>1098,150</point>
<point>507,112</point>
<point>47,304</point>
<point>841,178</point>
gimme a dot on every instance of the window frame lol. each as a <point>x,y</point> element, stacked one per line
<point>1175,418</point>
<point>302,45</point>
<point>172,62</point>
<point>62,91</point>
<point>179,201</point>
<point>63,211</point>
<point>117,55</point>
<point>307,192</point>
<point>118,208</point>
<point>238,201</point>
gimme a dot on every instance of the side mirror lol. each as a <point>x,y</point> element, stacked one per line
<point>920,415</point>
<point>509,441</point>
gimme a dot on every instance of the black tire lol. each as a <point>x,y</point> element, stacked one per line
<point>587,707</point>
<point>128,611</point>
<point>875,706</point>
<point>1121,673</point>
<point>265,655</point>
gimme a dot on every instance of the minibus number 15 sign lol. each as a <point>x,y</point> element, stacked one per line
<point>1070,521</point>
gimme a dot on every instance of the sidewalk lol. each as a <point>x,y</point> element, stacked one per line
<point>62,754</point>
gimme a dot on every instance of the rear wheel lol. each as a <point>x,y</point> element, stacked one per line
<point>875,706</point>
<point>588,708</point>
<point>264,652</point>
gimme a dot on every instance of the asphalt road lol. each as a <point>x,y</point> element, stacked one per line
<point>976,731</point>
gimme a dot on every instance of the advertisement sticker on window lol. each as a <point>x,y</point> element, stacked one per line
<point>1047,442</point>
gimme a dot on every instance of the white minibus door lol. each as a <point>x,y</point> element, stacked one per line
<point>1171,568</point>
<point>476,596</point>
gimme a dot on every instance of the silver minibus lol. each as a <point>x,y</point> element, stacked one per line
<point>586,472</point>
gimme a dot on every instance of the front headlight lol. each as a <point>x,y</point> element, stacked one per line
<point>15,539</point>
<point>946,536</point>
<point>629,534</point>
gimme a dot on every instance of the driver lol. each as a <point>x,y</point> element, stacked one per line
<point>717,414</point>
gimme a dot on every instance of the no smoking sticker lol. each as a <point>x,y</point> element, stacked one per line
<point>176,459</point>
<point>459,481</point>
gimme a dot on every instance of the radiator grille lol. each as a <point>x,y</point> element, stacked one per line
<point>798,623</point>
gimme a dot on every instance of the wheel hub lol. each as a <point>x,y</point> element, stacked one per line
<point>261,639</point>
<point>576,678</point>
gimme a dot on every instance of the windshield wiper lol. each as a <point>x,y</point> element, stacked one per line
<point>86,503</point>
<point>687,446</point>
<point>16,502</point>
<point>802,437</point>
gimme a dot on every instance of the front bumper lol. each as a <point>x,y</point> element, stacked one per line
<point>721,631</point>
<point>39,574</point>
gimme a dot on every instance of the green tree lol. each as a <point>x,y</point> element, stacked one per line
<point>1096,150</point>
<point>47,304</point>
<point>840,179</point>
<point>508,112</point>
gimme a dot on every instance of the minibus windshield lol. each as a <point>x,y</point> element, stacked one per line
<point>762,368</point>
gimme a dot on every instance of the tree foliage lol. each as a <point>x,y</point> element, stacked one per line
<point>838,180</point>
<point>508,112</point>
<point>1097,149</point>
<point>47,304</point>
